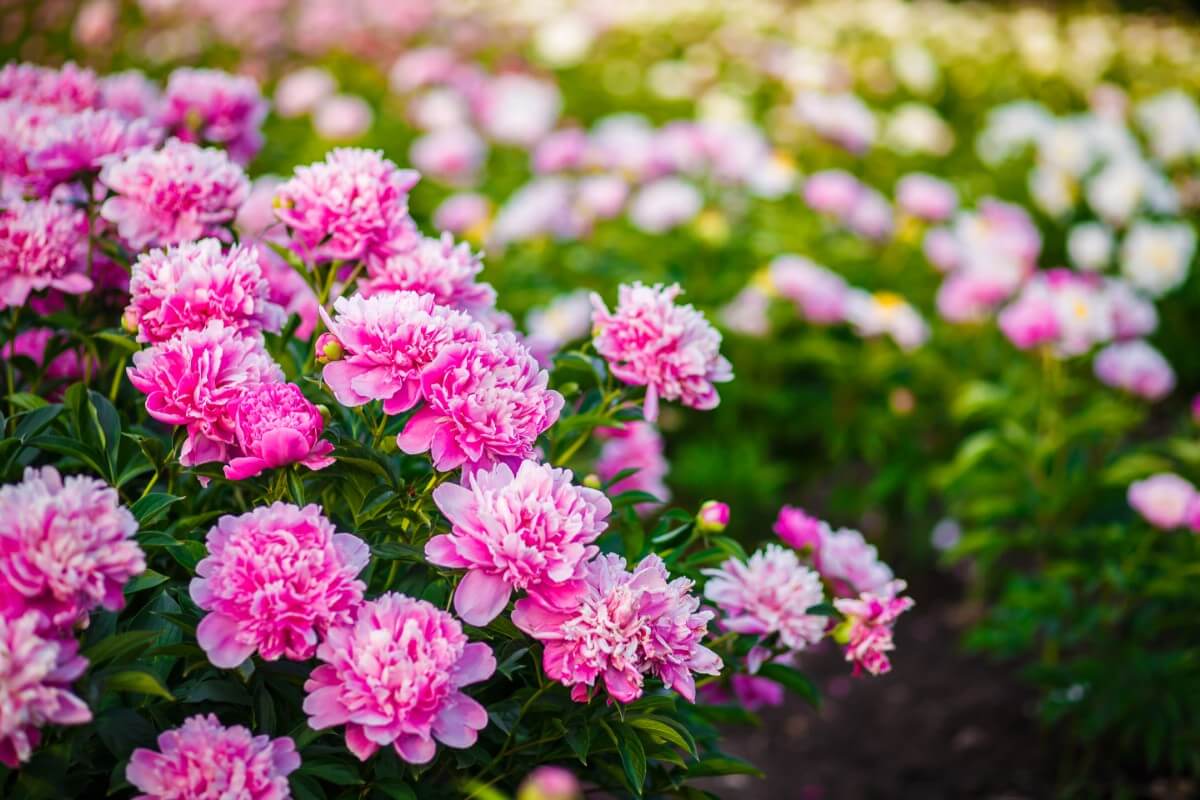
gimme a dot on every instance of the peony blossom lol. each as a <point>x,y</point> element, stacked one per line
<point>670,349</point>
<point>885,313</point>
<point>636,446</point>
<point>453,155</point>
<point>185,287</point>
<point>800,530</point>
<point>1090,246</point>
<point>76,145</point>
<point>386,342</point>
<point>353,205</point>
<point>195,378</point>
<point>819,294</point>
<point>1156,258</point>
<point>131,93</point>
<point>67,365</point>
<point>176,194</point>
<point>852,564</point>
<point>36,673</point>
<point>566,319</point>
<point>1136,367</point>
<point>66,547</point>
<point>43,245</point>
<point>67,89</point>
<point>1163,500</point>
<point>438,267</point>
<point>625,626</point>
<point>342,117</point>
<point>769,595</point>
<point>202,759</point>
<point>208,106</point>
<point>276,425</point>
<point>550,783</point>
<point>870,619</point>
<point>486,402</point>
<point>275,579</point>
<point>664,204</point>
<point>749,691</point>
<point>463,213</point>
<point>531,529</point>
<point>926,197</point>
<point>395,676</point>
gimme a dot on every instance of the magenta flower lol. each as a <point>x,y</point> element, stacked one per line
<point>800,530</point>
<point>769,595</point>
<point>208,106</point>
<point>36,673</point>
<point>177,194</point>
<point>202,759</point>
<point>625,626</point>
<point>437,267</point>
<point>713,516</point>
<point>670,349</point>
<point>637,446</point>
<point>1135,367</point>
<point>749,691</point>
<point>1029,321</point>
<point>486,402</point>
<point>276,426</point>
<point>532,530</point>
<point>387,341</point>
<point>1164,500</point>
<point>395,676</point>
<point>275,579</point>
<point>68,89</point>
<point>66,547</point>
<point>852,564</point>
<point>870,619</point>
<point>78,144</point>
<point>195,378</point>
<point>185,287</point>
<point>353,205</point>
<point>43,245</point>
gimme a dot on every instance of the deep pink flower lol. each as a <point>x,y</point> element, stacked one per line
<point>66,547</point>
<point>1163,500</point>
<point>43,245</point>
<point>277,426</point>
<point>436,266</point>
<point>203,760</point>
<point>177,194</point>
<point>1135,367</point>
<point>395,676</point>
<point>195,378</point>
<point>769,595</point>
<point>275,579</point>
<point>819,294</point>
<point>670,349</point>
<point>870,619</point>
<point>749,691</point>
<point>713,516</point>
<point>387,341</point>
<point>799,529</point>
<point>185,287</point>
<point>68,89</point>
<point>637,446</point>
<point>78,144</point>
<point>21,130</point>
<point>353,205</point>
<point>486,402</point>
<point>852,564</point>
<point>1029,321</point>
<point>208,106</point>
<point>625,626</point>
<point>36,673</point>
<point>532,530</point>
<point>67,365</point>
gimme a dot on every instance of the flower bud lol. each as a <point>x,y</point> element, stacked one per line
<point>129,322</point>
<point>325,413</point>
<point>329,348</point>
<point>549,783</point>
<point>592,481</point>
<point>713,517</point>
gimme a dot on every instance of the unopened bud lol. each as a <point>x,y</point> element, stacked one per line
<point>713,517</point>
<point>129,322</point>
<point>592,481</point>
<point>324,411</point>
<point>549,783</point>
<point>329,349</point>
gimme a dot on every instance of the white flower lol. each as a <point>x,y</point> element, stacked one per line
<point>1156,257</point>
<point>1090,246</point>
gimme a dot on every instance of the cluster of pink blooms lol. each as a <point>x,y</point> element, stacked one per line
<point>202,759</point>
<point>437,267</point>
<point>208,106</point>
<point>625,625</point>
<point>852,203</point>
<point>43,245</point>
<point>66,548</point>
<point>1166,501</point>
<point>869,621</point>
<point>670,349</point>
<point>530,530</point>
<point>636,446</point>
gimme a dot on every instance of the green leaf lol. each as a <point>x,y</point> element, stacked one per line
<point>335,772</point>
<point>119,645</point>
<point>395,789</point>
<point>121,340</point>
<point>822,610</point>
<point>34,422</point>
<point>305,787</point>
<point>660,729</point>
<point>634,497</point>
<point>136,681</point>
<point>633,759</point>
<point>793,680</point>
<point>579,739</point>
<point>398,551</point>
<point>26,401</point>
<point>66,446</point>
<point>722,765</point>
<point>149,508</point>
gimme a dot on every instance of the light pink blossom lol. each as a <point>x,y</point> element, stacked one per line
<point>926,197</point>
<point>870,619</point>
<point>75,145</point>
<point>212,107</point>
<point>819,294</point>
<point>342,117</point>
<point>277,426</point>
<point>1163,500</point>
<point>550,783</point>
<point>637,446</point>
<point>436,266</point>
<point>43,245</point>
<point>131,93</point>
<point>463,212</point>
<point>713,516</point>
<point>453,155</point>
<point>769,595</point>
<point>1136,367</point>
<point>68,89</point>
<point>833,191</point>
<point>852,564</point>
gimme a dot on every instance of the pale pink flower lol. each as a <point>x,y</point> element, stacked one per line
<point>747,312</point>
<point>36,673</point>
<point>68,89</point>
<point>195,378</point>
<point>342,117</point>
<point>847,560</point>
<point>203,760</point>
<point>1029,321</point>
<point>460,213</point>
<point>300,91</point>
<point>664,204</point>
<point>871,217</point>
<point>625,626</point>
<point>566,319</point>
<point>550,783</point>
<point>769,595</point>
<point>1133,314</point>
<point>395,676</point>
<point>601,196</point>
<point>353,205</point>
<point>277,426</point>
<point>1070,310</point>
<point>21,130</point>
<point>388,340</point>
<point>637,446</point>
<point>531,530</point>
<point>819,294</point>
<point>486,402</point>
<point>75,145</point>
<point>1163,500</point>
<point>177,194</point>
<point>870,619</point>
<point>560,151</point>
<point>438,267</point>
<point>926,197</point>
<point>886,313</point>
<point>131,93</point>
<point>276,578</point>
<point>841,118</point>
<point>185,287</point>
<point>1136,367</point>
<point>66,547</point>
<point>453,155</point>
<point>833,191</point>
<point>43,245</point>
<point>208,106</point>
<point>518,109</point>
<point>800,530</point>
<point>670,349</point>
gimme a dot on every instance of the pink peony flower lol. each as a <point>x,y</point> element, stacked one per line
<point>1163,500</point>
<point>871,216</point>
<point>387,341</point>
<point>74,145</point>
<point>670,349</point>
<point>177,194</point>
<point>275,579</point>
<point>518,109</point>
<point>276,426</point>
<point>1136,367</point>
<point>625,626</point>
<point>453,155</point>
<point>342,117</point>
<point>208,106</point>
<point>664,204</point>
<point>36,673</point>
<point>195,379</point>
<point>566,319</point>
<point>201,759</point>
<point>637,446</point>
<point>353,205</point>
<point>800,530</point>
<point>299,92</point>
<point>833,191</point>
<point>486,402</point>
<point>886,313</point>
<point>550,783</point>
<point>713,516</point>
<point>43,245</point>
<point>67,364</point>
<point>560,151</point>
<point>1029,321</point>
<point>436,266</point>
<point>532,530</point>
<point>746,313</point>
<point>463,212</point>
<point>395,676</point>
<point>131,93</point>
<point>850,563</point>
<point>769,595</point>
<point>750,692</point>
<point>68,89</point>
<point>185,287</point>
<point>66,547</point>
<point>870,619</point>
<point>926,197</point>
<point>819,294</point>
